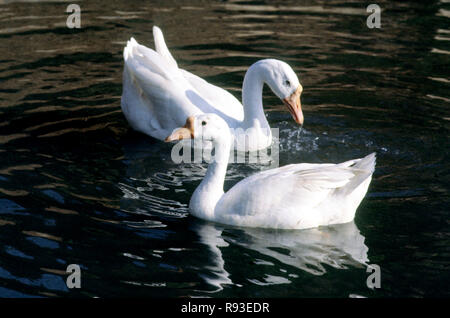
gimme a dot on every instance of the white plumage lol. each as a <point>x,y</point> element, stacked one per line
<point>158,96</point>
<point>295,196</point>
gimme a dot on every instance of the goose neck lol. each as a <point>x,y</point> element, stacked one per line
<point>208,193</point>
<point>217,169</point>
<point>252,90</point>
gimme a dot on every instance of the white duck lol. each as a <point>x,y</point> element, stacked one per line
<point>158,96</point>
<point>295,196</point>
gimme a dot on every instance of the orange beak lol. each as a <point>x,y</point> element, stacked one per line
<point>295,107</point>
<point>185,132</point>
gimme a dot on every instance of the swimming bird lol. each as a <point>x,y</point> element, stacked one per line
<point>158,96</point>
<point>296,196</point>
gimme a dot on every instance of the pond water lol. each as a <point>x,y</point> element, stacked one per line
<point>78,186</point>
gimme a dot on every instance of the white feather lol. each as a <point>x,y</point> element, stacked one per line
<point>158,96</point>
<point>296,196</point>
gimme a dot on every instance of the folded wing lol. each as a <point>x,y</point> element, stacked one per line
<point>298,195</point>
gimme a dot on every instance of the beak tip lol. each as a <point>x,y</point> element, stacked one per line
<point>294,106</point>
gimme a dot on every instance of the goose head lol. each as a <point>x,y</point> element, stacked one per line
<point>205,127</point>
<point>284,83</point>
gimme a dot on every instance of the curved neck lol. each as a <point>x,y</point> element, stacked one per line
<point>210,190</point>
<point>217,169</point>
<point>252,89</point>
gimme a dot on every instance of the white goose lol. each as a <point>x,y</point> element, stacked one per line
<point>295,196</point>
<point>158,96</point>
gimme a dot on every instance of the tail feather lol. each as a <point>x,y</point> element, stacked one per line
<point>363,169</point>
<point>367,163</point>
<point>145,64</point>
<point>161,46</point>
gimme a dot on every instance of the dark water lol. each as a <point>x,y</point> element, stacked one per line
<point>77,186</point>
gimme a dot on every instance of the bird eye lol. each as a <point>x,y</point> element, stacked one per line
<point>287,83</point>
<point>203,123</point>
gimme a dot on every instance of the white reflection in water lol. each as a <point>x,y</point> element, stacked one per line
<point>309,250</point>
<point>212,237</point>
